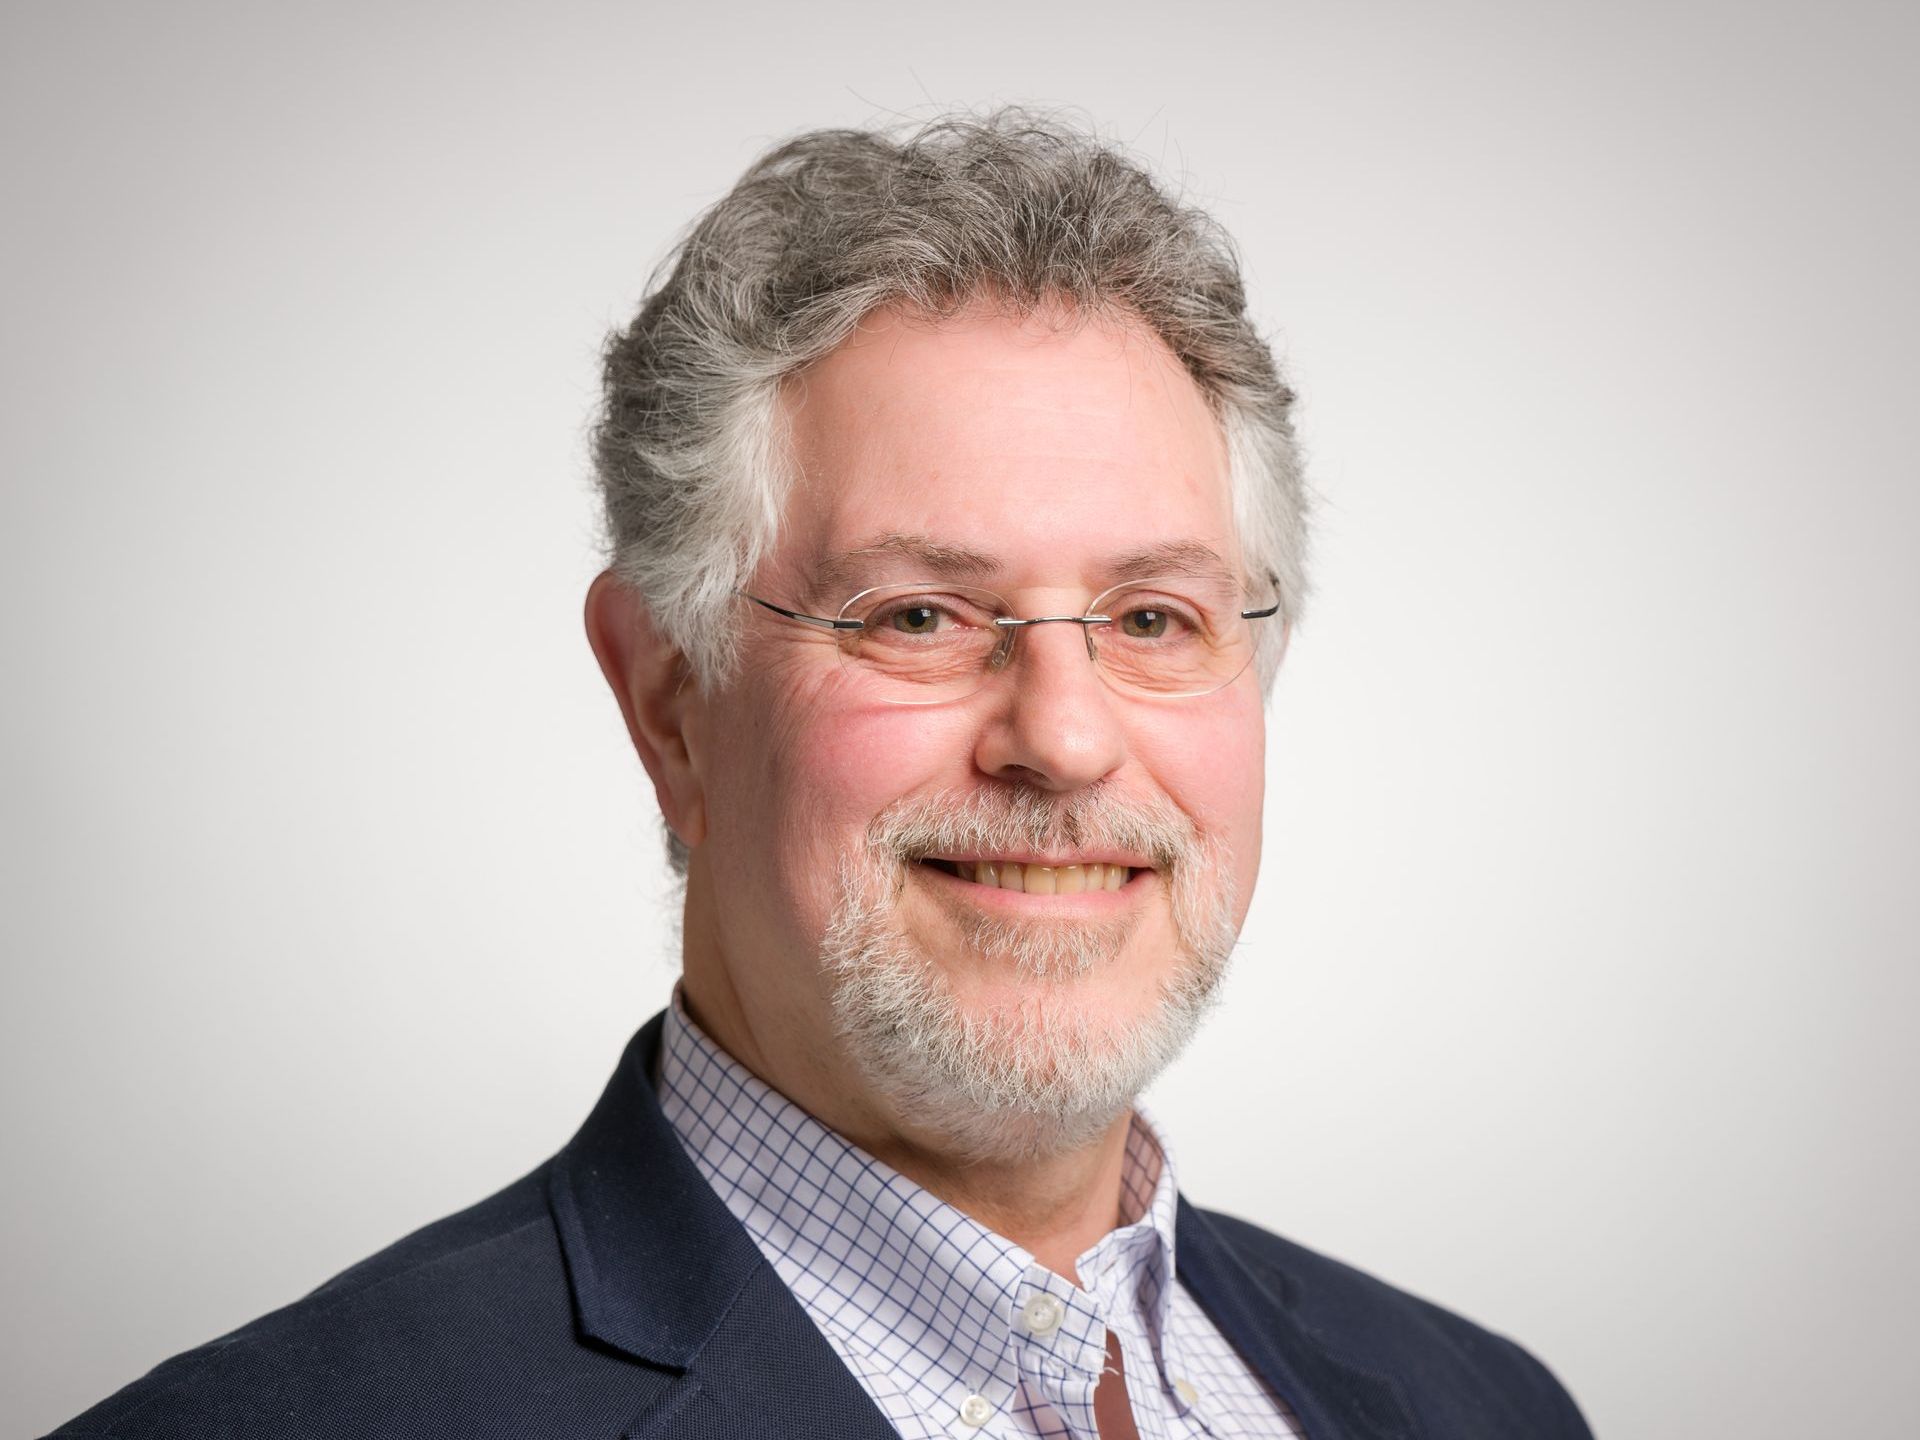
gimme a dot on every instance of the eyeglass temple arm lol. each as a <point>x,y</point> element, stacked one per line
<point>1007,623</point>
<point>1271,610</point>
<point>822,621</point>
<point>1012,624</point>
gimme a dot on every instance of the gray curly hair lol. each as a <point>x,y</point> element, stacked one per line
<point>1015,207</point>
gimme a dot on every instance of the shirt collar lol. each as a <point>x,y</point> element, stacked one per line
<point>861,1244</point>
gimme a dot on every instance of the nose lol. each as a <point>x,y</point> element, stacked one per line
<point>1053,722</point>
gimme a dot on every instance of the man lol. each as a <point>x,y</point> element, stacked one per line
<point>957,535</point>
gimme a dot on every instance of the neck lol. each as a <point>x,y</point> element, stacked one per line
<point>1057,1207</point>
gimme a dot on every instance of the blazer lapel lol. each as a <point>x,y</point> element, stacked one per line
<point>768,1372</point>
<point>1257,1309</point>
<point>662,1272</point>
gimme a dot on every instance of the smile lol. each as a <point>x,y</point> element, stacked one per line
<point>1034,879</point>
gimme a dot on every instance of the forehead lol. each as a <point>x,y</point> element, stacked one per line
<point>1045,450</point>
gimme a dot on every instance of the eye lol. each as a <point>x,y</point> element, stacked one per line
<point>1145,624</point>
<point>926,616</point>
<point>1157,619</point>
<point>915,619</point>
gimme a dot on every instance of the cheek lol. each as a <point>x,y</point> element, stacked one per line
<point>815,769</point>
<point>864,758</point>
<point>1211,762</point>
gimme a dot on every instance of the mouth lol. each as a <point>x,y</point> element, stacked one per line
<point>1032,878</point>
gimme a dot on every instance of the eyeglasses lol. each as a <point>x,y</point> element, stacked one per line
<point>929,641</point>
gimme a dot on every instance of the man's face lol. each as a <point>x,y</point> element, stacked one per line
<point>1049,453</point>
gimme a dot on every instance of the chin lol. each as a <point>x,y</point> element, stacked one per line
<point>1039,1034</point>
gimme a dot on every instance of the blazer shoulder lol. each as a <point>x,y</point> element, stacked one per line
<point>446,1332</point>
<point>1441,1359</point>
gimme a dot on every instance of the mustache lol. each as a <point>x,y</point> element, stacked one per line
<point>1022,817</point>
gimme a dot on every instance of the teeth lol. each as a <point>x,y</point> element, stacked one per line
<point>1045,879</point>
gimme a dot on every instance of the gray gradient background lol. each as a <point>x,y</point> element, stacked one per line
<point>1579,993</point>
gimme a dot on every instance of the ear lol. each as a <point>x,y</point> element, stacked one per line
<point>657,696</point>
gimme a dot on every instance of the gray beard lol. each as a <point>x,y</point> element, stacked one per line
<point>1039,1076</point>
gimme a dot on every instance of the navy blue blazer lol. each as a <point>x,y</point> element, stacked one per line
<point>611,1294</point>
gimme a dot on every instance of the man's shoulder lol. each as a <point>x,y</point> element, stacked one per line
<point>1440,1360</point>
<point>469,1314</point>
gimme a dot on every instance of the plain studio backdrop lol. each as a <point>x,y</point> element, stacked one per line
<point>1580,987</point>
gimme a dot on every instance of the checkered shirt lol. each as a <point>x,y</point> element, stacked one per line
<point>957,1333</point>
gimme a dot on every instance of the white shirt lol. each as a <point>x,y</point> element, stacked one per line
<point>958,1333</point>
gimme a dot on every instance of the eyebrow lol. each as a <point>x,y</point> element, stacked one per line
<point>931,557</point>
<point>1172,557</point>
<point>938,560</point>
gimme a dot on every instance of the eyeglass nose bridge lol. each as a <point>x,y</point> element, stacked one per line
<point>1010,626</point>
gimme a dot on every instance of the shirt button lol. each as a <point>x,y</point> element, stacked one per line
<point>1042,1314</point>
<point>975,1411</point>
<point>1186,1391</point>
